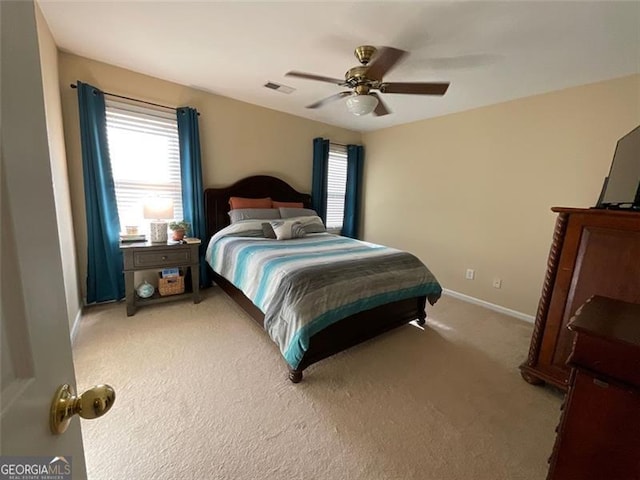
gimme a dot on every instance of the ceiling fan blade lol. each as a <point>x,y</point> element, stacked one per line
<point>381,109</point>
<point>311,76</point>
<point>415,88</point>
<point>384,61</point>
<point>330,99</point>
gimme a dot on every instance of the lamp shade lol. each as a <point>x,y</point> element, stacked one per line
<point>157,208</point>
<point>361,104</point>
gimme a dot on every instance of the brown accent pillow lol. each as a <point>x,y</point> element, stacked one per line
<point>288,204</point>
<point>241,202</point>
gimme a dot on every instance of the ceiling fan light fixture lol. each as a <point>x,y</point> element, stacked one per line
<point>361,104</point>
<point>368,76</point>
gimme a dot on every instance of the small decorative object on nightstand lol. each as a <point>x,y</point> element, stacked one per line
<point>145,290</point>
<point>191,240</point>
<point>179,230</point>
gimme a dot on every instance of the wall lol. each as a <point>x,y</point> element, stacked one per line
<point>58,160</point>
<point>474,189</point>
<point>480,183</point>
<point>237,139</point>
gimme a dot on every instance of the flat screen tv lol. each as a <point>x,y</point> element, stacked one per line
<point>621,189</point>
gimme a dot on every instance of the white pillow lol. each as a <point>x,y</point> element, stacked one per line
<point>312,224</point>
<point>286,229</point>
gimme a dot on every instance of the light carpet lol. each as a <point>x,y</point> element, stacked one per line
<point>202,393</point>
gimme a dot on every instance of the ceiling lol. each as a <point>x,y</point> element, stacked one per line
<point>490,51</point>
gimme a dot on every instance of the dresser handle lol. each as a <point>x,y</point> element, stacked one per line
<point>164,257</point>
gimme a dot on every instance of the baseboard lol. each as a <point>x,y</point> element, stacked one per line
<point>490,306</point>
<point>76,326</point>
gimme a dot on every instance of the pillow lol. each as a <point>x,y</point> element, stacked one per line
<point>313,225</point>
<point>240,202</point>
<point>286,229</point>
<point>287,204</point>
<point>253,214</point>
<point>310,225</point>
<point>267,231</point>
<point>296,212</point>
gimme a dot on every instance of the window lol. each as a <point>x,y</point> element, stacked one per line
<point>145,158</point>
<point>336,186</point>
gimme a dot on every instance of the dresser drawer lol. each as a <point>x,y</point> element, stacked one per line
<point>160,258</point>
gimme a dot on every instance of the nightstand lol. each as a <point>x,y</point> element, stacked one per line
<point>150,256</point>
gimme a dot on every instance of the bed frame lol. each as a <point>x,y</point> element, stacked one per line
<point>335,338</point>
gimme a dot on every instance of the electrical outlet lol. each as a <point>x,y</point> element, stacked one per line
<point>497,283</point>
<point>470,274</point>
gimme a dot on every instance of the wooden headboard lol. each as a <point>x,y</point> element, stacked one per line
<point>216,200</point>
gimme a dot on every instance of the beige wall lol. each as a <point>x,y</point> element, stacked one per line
<point>237,139</point>
<point>480,183</point>
<point>473,190</point>
<point>58,158</point>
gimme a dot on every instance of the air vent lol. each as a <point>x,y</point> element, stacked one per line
<point>279,88</point>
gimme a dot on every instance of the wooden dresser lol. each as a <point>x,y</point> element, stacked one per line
<point>599,432</point>
<point>594,252</point>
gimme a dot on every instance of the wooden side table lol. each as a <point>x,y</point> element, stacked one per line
<point>150,256</point>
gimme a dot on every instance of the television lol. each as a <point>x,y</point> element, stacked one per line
<point>621,189</point>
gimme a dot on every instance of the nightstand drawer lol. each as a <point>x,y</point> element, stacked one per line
<point>159,258</point>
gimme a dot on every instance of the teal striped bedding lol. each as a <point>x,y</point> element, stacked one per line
<point>304,285</point>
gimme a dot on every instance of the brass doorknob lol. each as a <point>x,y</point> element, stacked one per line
<point>93,403</point>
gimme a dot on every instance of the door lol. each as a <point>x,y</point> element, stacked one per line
<point>35,345</point>
<point>36,358</point>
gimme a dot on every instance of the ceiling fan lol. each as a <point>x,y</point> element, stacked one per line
<point>365,78</point>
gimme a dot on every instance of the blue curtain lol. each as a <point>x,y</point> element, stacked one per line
<point>319,179</point>
<point>105,280</point>
<point>353,195</point>
<point>191,174</point>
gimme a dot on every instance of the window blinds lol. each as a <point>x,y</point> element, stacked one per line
<point>145,158</point>
<point>336,185</point>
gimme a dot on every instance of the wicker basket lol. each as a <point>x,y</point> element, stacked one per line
<point>171,285</point>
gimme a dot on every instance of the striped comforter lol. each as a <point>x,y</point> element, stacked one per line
<point>304,285</point>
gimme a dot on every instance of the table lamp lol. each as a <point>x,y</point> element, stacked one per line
<point>158,210</point>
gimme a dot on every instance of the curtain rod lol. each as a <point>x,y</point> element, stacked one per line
<point>73,85</point>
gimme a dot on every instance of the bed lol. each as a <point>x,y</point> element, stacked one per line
<point>342,330</point>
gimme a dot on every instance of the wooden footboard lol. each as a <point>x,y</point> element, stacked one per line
<point>344,334</point>
<point>361,327</point>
